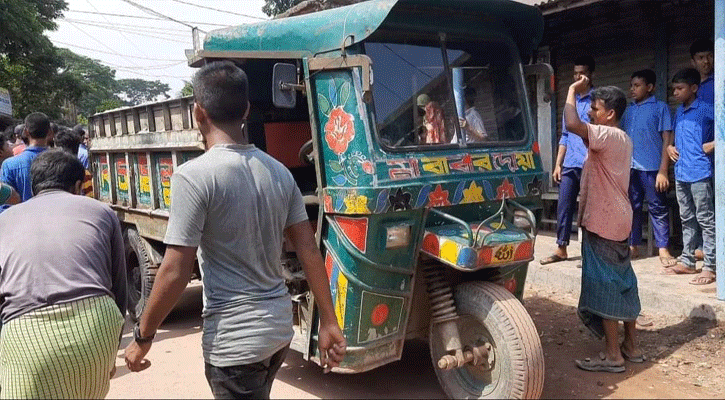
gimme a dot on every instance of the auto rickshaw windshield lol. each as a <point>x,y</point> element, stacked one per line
<point>421,105</point>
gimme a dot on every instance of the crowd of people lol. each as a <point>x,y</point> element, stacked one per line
<point>63,277</point>
<point>614,156</point>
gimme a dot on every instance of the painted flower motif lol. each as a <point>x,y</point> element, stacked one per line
<point>506,190</point>
<point>339,130</point>
<point>474,194</point>
<point>357,205</point>
<point>400,201</point>
<point>367,166</point>
<point>328,204</point>
<point>438,197</point>
<point>534,187</point>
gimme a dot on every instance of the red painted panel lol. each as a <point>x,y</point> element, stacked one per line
<point>284,140</point>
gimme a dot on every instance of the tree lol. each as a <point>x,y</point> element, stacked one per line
<point>95,82</point>
<point>276,7</point>
<point>22,23</point>
<point>187,90</point>
<point>136,91</point>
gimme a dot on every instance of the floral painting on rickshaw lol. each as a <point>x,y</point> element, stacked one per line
<point>339,132</point>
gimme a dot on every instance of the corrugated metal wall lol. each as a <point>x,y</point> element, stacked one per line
<point>623,37</point>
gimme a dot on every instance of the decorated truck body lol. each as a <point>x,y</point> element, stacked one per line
<point>422,238</point>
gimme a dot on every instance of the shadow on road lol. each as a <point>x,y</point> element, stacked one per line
<point>564,339</point>
<point>411,377</point>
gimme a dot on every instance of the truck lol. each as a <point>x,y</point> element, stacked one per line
<point>421,238</point>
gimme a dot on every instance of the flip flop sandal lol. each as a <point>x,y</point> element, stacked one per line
<point>639,359</point>
<point>554,258</point>
<point>702,280</point>
<point>668,261</point>
<point>678,270</point>
<point>601,365</point>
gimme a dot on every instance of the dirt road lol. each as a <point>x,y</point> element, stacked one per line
<point>687,360</point>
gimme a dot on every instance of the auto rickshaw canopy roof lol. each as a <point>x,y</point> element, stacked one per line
<point>323,32</point>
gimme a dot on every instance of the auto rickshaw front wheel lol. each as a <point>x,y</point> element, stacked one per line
<point>491,317</point>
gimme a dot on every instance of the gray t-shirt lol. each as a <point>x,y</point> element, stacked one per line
<point>57,248</point>
<point>234,202</point>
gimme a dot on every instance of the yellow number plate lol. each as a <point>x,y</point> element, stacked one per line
<point>503,253</point>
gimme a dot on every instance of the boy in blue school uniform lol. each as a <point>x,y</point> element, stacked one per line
<point>569,163</point>
<point>702,52</point>
<point>648,123</point>
<point>694,125</point>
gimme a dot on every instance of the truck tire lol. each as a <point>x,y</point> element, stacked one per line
<point>491,314</point>
<point>141,273</point>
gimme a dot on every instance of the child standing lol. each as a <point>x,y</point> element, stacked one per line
<point>694,125</point>
<point>648,123</point>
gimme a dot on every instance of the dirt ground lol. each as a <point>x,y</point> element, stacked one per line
<point>686,360</point>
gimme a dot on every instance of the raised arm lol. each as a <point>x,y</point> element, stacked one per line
<point>571,117</point>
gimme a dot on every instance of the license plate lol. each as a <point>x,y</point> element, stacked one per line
<point>503,253</point>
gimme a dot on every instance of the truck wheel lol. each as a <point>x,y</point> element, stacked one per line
<point>141,273</point>
<point>491,314</point>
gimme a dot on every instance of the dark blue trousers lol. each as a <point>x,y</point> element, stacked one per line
<point>568,192</point>
<point>641,187</point>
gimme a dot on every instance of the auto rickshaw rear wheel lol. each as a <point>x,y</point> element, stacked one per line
<point>140,273</point>
<point>491,315</point>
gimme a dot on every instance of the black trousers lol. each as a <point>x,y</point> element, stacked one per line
<point>247,381</point>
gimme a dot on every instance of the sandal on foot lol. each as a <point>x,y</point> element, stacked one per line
<point>554,258</point>
<point>668,261</point>
<point>636,359</point>
<point>679,269</point>
<point>703,279</point>
<point>601,365</point>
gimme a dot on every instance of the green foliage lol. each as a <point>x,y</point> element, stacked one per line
<point>276,7</point>
<point>187,90</point>
<point>94,82</point>
<point>22,23</point>
<point>137,91</point>
<point>109,104</point>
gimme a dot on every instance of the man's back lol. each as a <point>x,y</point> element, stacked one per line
<point>41,266</point>
<point>234,202</point>
<point>15,171</point>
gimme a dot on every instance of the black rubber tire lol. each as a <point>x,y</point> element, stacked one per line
<point>141,273</point>
<point>489,310</point>
<point>305,153</point>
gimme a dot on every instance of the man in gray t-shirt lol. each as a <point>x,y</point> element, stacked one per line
<point>235,204</point>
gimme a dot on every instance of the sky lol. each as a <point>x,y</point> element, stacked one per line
<point>139,44</point>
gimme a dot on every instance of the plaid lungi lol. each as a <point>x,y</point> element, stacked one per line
<point>609,286</point>
<point>61,351</point>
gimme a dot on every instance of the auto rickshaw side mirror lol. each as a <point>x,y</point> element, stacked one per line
<point>543,70</point>
<point>285,85</point>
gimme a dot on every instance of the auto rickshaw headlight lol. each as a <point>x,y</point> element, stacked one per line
<point>397,236</point>
<point>521,220</point>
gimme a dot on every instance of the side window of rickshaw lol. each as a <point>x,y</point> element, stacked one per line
<point>413,101</point>
<point>414,105</point>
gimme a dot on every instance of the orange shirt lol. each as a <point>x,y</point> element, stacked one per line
<point>87,186</point>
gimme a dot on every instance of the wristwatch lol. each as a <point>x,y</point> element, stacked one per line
<point>140,339</point>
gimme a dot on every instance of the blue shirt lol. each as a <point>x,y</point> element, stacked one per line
<point>83,155</point>
<point>15,171</point>
<point>694,126</point>
<point>644,122</point>
<point>576,151</point>
<point>706,92</point>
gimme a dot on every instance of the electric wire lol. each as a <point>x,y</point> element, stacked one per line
<point>146,17</point>
<point>218,10</point>
<point>123,55</point>
<point>122,34</point>
<point>147,35</point>
<point>158,14</point>
<point>138,31</point>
